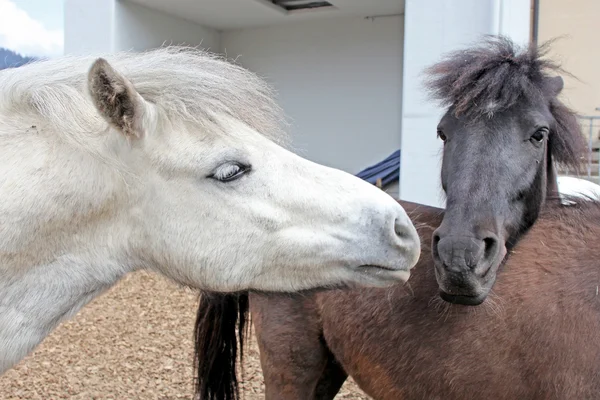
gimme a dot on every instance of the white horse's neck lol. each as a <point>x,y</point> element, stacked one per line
<point>36,301</point>
<point>61,244</point>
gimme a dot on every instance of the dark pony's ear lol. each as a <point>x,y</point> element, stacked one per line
<point>555,85</point>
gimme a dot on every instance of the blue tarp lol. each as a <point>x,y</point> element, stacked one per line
<point>388,170</point>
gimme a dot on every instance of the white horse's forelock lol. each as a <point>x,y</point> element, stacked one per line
<point>187,83</point>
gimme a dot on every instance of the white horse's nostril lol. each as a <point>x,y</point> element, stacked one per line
<point>398,228</point>
<point>401,228</point>
<point>407,238</point>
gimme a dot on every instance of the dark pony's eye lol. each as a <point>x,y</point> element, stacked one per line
<point>539,135</point>
<point>441,135</point>
<point>229,172</point>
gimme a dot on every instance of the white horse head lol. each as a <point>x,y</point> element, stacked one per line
<point>170,160</point>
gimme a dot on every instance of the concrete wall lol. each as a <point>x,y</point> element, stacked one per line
<point>113,25</point>
<point>433,28</point>
<point>576,23</point>
<point>89,26</point>
<point>339,80</point>
<point>139,28</point>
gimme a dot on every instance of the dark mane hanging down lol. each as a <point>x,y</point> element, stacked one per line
<point>494,76</point>
<point>222,321</point>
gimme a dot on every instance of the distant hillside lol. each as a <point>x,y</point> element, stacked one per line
<point>10,59</point>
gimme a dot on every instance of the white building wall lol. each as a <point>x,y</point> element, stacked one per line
<point>89,26</point>
<point>434,27</point>
<point>140,28</point>
<point>339,81</point>
<point>93,26</point>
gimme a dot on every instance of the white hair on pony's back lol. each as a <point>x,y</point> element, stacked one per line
<point>187,83</point>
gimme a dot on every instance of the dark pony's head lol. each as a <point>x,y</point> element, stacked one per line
<point>503,130</point>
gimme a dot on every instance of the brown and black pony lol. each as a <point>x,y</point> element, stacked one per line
<point>538,337</point>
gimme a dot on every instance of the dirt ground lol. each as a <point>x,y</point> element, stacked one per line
<point>134,342</point>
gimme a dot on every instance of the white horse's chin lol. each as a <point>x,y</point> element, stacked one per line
<point>374,276</point>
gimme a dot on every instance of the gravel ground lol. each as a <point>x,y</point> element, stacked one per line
<point>134,342</point>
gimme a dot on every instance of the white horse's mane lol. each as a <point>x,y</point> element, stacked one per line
<point>187,83</point>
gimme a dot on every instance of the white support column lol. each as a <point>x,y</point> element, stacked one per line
<point>514,20</point>
<point>432,28</point>
<point>140,28</point>
<point>89,26</point>
<point>93,26</point>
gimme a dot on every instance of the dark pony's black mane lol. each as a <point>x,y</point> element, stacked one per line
<point>496,75</point>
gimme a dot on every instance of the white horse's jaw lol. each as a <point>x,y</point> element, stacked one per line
<point>298,225</point>
<point>366,232</point>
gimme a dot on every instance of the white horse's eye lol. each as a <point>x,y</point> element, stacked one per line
<point>229,172</point>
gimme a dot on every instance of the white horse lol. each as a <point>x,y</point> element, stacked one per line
<point>169,160</point>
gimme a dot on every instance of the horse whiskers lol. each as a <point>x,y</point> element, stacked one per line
<point>496,303</point>
<point>493,305</point>
<point>407,285</point>
<point>443,308</point>
<point>421,226</point>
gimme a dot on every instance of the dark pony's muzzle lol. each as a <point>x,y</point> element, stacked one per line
<point>466,265</point>
<point>463,287</point>
<point>463,300</point>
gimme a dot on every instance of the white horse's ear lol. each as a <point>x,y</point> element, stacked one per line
<point>117,100</point>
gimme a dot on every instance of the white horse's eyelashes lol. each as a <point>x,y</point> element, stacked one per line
<point>230,171</point>
<point>169,160</point>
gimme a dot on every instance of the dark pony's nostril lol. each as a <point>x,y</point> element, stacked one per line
<point>491,245</point>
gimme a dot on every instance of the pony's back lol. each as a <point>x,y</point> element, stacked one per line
<point>533,338</point>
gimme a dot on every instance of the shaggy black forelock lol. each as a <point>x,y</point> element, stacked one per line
<point>492,77</point>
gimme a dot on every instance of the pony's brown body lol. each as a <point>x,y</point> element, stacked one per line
<point>537,338</point>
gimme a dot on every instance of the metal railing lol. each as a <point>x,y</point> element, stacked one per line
<point>590,125</point>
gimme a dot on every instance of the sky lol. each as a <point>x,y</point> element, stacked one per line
<point>32,27</point>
